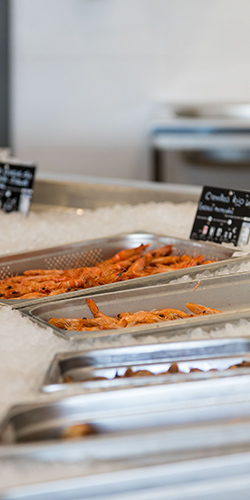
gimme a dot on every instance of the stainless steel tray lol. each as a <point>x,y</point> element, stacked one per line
<point>88,253</point>
<point>206,478</point>
<point>230,294</point>
<point>132,409</point>
<point>87,367</point>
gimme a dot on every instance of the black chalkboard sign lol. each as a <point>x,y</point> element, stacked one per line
<point>223,215</point>
<point>16,186</point>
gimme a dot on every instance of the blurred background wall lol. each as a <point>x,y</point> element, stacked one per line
<point>86,75</point>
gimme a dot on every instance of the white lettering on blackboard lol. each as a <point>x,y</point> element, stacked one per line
<point>215,197</point>
<point>205,208</point>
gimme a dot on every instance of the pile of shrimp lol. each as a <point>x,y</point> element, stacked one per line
<point>125,265</point>
<point>173,369</point>
<point>124,320</point>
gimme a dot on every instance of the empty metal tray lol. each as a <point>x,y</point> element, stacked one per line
<point>135,408</point>
<point>229,294</point>
<point>88,253</point>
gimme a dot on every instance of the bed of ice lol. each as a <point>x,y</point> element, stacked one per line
<point>27,349</point>
<point>56,227</point>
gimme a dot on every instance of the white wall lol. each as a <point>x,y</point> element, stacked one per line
<point>87,73</point>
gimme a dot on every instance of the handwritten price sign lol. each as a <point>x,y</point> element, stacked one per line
<point>16,186</point>
<point>223,215</point>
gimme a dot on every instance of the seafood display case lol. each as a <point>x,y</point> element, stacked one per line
<point>155,427</point>
<point>227,294</point>
<point>89,253</point>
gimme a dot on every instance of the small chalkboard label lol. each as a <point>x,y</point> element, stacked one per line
<point>16,186</point>
<point>223,216</point>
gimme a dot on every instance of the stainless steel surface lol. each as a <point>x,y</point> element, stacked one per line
<point>206,478</point>
<point>88,253</point>
<point>206,355</point>
<point>92,193</point>
<point>216,111</point>
<point>228,294</point>
<point>132,409</point>
<point>132,446</point>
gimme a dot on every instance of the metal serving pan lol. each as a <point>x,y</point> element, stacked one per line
<point>90,252</point>
<point>206,478</point>
<point>87,367</point>
<point>131,409</point>
<point>230,294</point>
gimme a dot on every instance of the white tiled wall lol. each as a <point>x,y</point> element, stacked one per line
<point>87,73</point>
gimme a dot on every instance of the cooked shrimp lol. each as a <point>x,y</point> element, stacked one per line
<point>127,319</point>
<point>138,268</point>
<point>142,317</point>
<point>198,309</point>
<point>39,272</point>
<point>67,323</point>
<point>32,295</point>
<point>169,259</point>
<point>124,265</point>
<point>161,251</point>
<point>128,253</point>
<point>188,263</point>
<point>107,321</point>
<point>169,314</point>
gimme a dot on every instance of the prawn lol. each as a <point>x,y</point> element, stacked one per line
<point>127,254</point>
<point>124,265</point>
<point>170,314</point>
<point>137,269</point>
<point>142,317</point>
<point>162,251</point>
<point>44,272</point>
<point>170,259</point>
<point>67,323</point>
<point>198,309</point>
<point>127,319</point>
<point>107,321</point>
<point>194,261</point>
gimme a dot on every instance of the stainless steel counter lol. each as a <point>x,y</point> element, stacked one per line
<point>90,192</point>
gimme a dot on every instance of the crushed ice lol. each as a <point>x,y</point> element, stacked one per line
<point>27,349</point>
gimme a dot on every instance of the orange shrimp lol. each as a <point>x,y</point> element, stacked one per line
<point>107,321</point>
<point>170,314</point>
<point>103,322</point>
<point>31,295</point>
<point>137,269</point>
<point>161,251</point>
<point>142,317</point>
<point>198,309</point>
<point>126,264</point>
<point>66,323</point>
<point>128,253</point>
<point>74,283</point>
<point>39,272</point>
<point>169,259</point>
<point>191,263</point>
